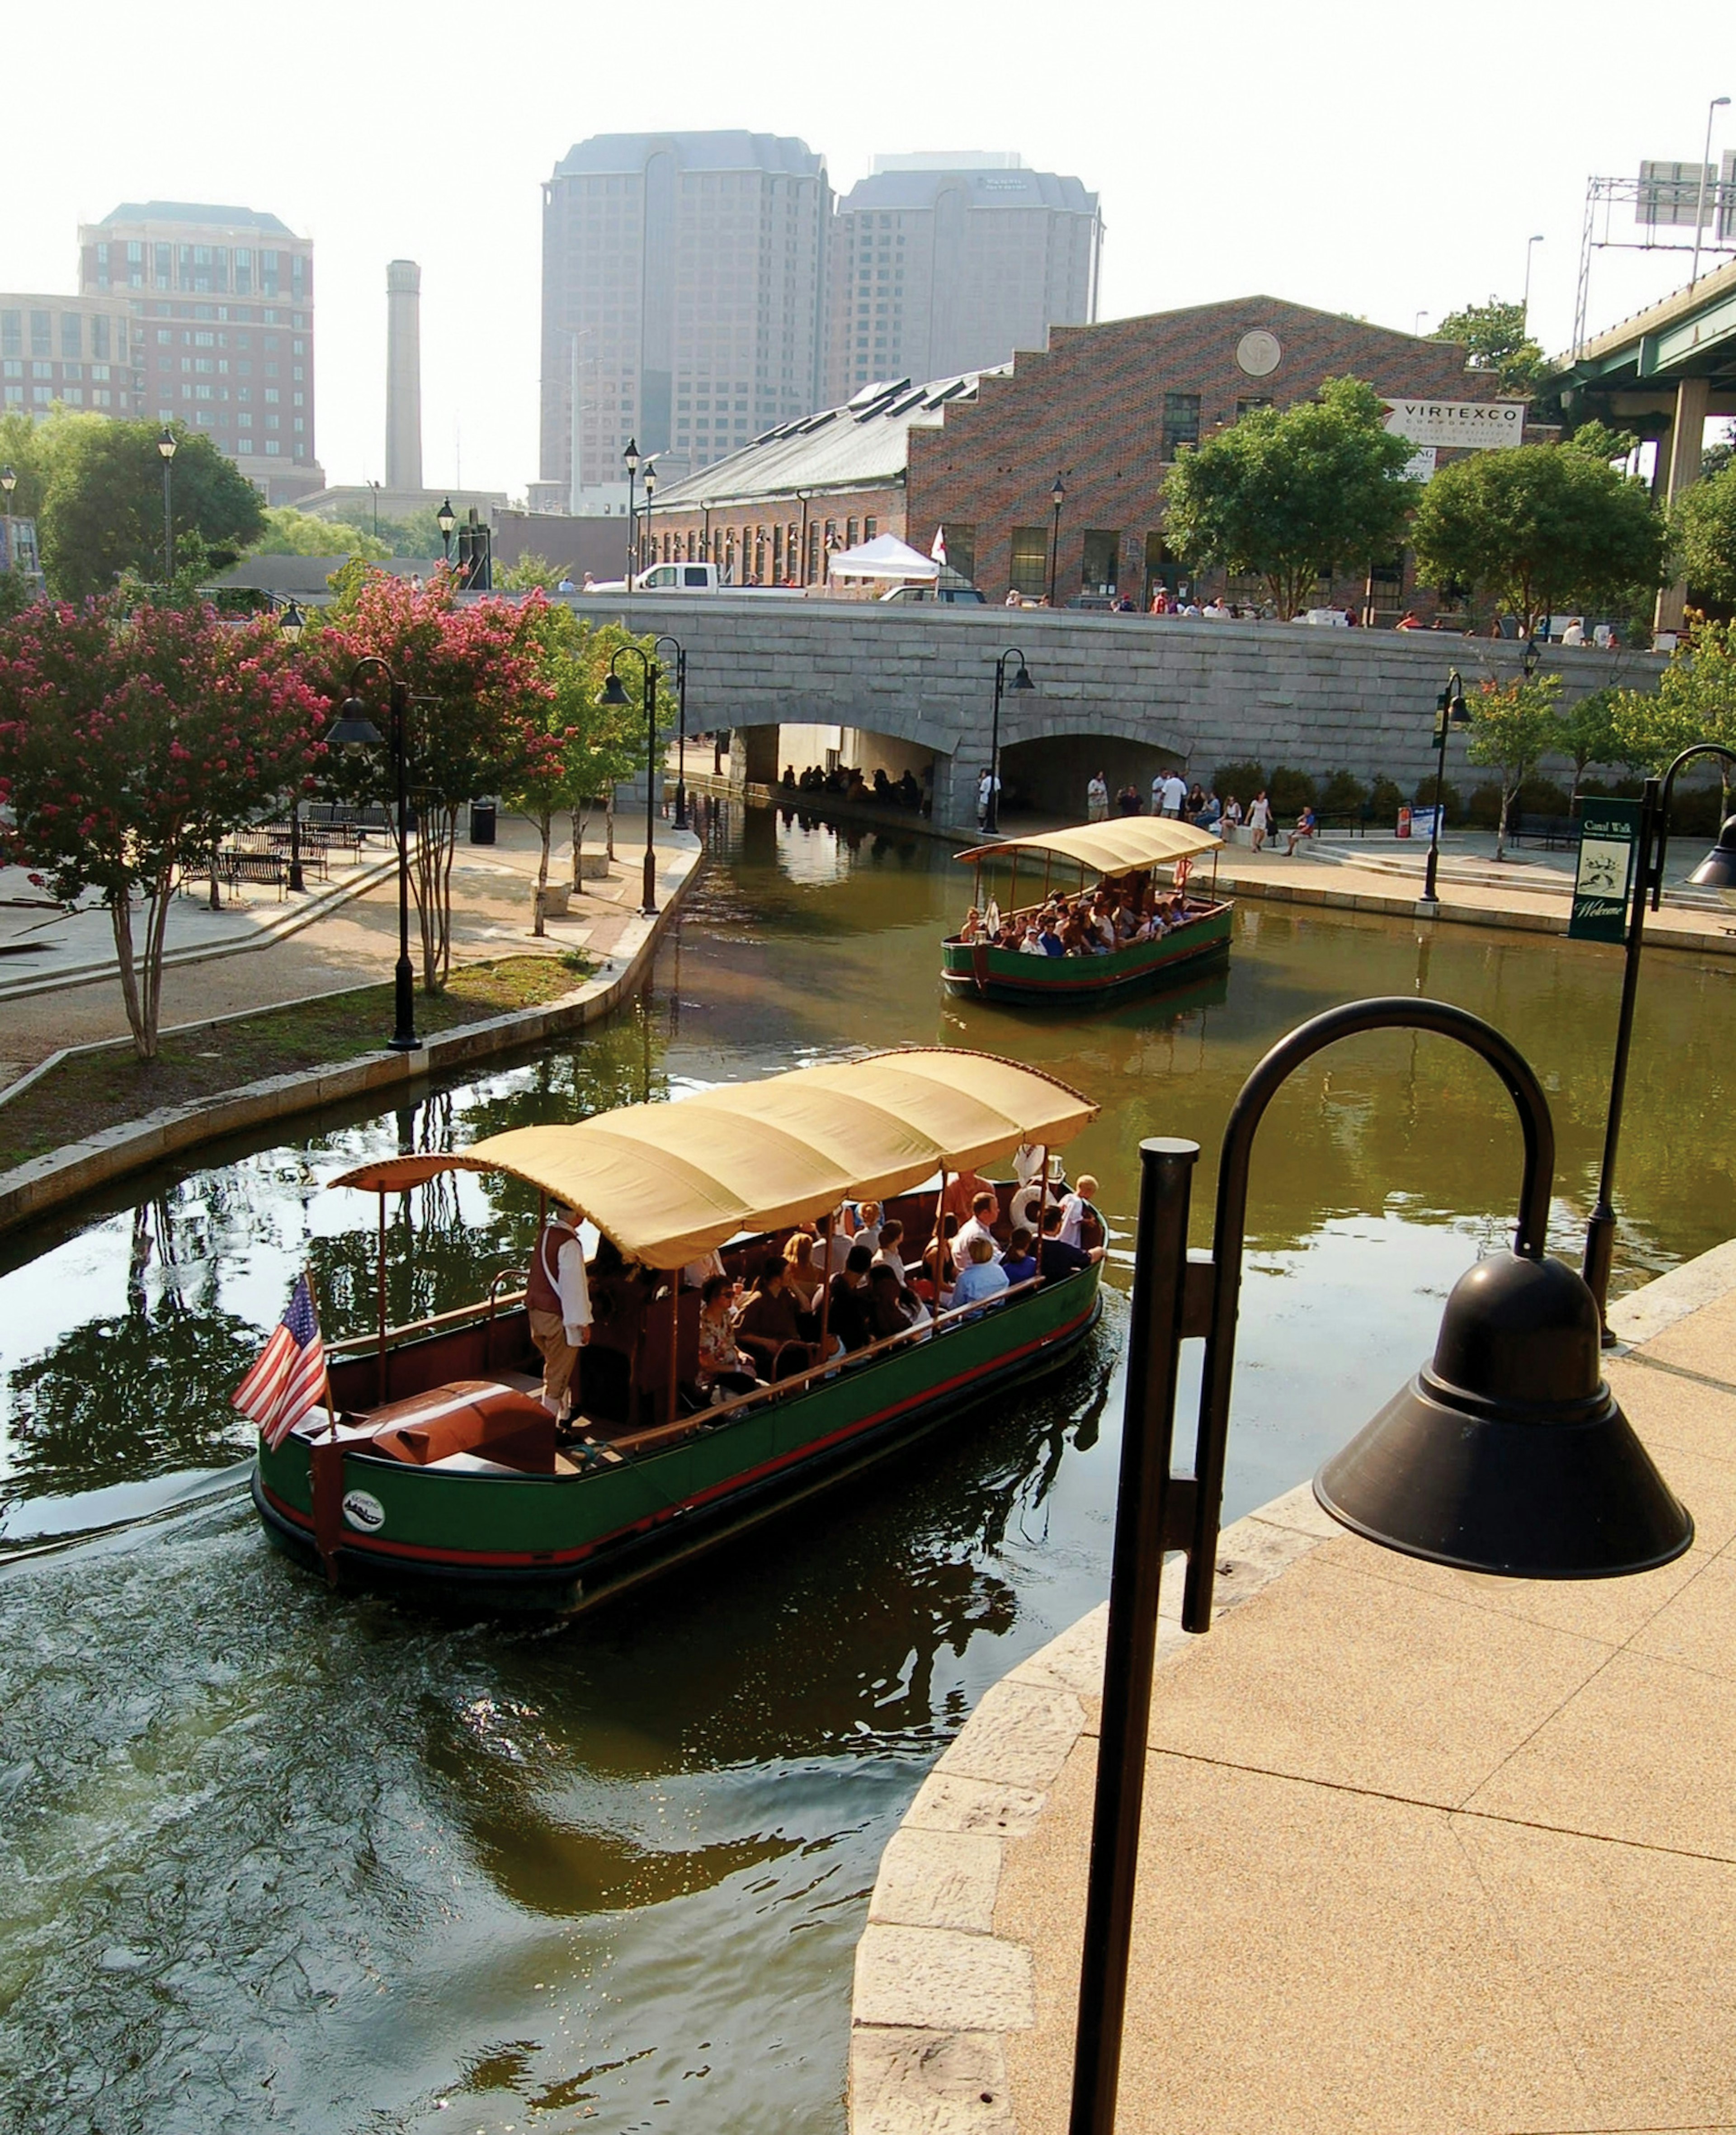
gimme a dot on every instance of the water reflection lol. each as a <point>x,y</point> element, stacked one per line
<point>271,1855</point>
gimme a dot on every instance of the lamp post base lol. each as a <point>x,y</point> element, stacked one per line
<point>404,1037</point>
<point>1428,907</point>
<point>648,899</point>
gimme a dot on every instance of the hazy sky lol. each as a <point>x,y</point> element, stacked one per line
<point>1364,160</point>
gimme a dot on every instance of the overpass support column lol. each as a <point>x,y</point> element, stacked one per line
<point>1683,445</point>
<point>754,756</point>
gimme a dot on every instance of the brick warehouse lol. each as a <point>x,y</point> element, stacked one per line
<point>1107,408</point>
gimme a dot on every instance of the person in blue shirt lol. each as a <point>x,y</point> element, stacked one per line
<point>1019,1263</point>
<point>1055,1257</point>
<point>981,1277</point>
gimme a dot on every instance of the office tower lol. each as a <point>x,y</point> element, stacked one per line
<point>403,374</point>
<point>221,301</point>
<point>681,299</point>
<point>948,262</point>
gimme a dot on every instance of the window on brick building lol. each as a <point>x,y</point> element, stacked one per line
<point>1252,407</point>
<point>961,549</point>
<point>1180,422</point>
<point>870,527</point>
<point>1102,552</point>
<point>1030,573</point>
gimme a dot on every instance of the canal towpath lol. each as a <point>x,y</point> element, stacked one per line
<point>1421,1849</point>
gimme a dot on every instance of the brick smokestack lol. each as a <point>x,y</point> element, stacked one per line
<point>403,374</point>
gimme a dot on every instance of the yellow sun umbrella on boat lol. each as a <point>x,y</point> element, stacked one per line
<point>1111,848</point>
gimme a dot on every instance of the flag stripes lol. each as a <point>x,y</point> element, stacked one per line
<point>287,1379</point>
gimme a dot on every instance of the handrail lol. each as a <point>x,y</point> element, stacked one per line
<point>507,1274</point>
<point>488,1304</point>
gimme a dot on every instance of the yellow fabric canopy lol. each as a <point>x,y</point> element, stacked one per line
<point>668,1183</point>
<point>1127,841</point>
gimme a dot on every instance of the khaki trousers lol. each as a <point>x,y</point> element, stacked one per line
<point>548,1331</point>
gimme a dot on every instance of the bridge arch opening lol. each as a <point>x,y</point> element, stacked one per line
<point>1044,778</point>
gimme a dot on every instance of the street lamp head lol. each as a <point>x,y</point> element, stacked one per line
<point>1718,869</point>
<point>1057,496</point>
<point>1508,1454</point>
<point>166,442</point>
<point>353,729</point>
<point>614,694</point>
<point>651,480</point>
<point>630,457</point>
<point>1021,677</point>
<point>8,480</point>
<point>291,623</point>
<point>446,518</point>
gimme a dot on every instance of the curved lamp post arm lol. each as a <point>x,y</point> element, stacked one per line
<point>614,694</point>
<point>1392,1013</point>
<point>1654,867</point>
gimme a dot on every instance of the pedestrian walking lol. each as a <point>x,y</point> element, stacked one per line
<point>1260,820</point>
<point>1097,799</point>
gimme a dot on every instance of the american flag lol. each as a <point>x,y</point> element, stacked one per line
<point>290,1375</point>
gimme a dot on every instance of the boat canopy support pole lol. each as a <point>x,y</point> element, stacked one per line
<point>1012,887</point>
<point>380,1389</point>
<point>826,1223</point>
<point>675,1337</point>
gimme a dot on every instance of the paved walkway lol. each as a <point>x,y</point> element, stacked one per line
<point>230,961</point>
<point>1422,1851</point>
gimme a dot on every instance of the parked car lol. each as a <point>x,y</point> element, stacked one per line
<point>690,578</point>
<point>961,594</point>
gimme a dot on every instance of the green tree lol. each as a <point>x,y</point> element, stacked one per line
<point>1601,442</point>
<point>1695,701</point>
<point>25,447</point>
<point>595,745</point>
<point>1494,335</point>
<point>1513,725</point>
<point>1539,529</point>
<point>418,534</point>
<point>292,533</point>
<point>1587,734</point>
<point>1292,494</point>
<point>102,513</point>
<point>1704,526</point>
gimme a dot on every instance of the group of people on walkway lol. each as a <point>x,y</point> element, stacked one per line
<point>1122,910</point>
<point>1173,796</point>
<point>843,784</point>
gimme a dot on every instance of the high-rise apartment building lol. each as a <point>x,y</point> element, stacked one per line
<point>683,287</point>
<point>948,262</point>
<point>219,305</point>
<point>78,350</point>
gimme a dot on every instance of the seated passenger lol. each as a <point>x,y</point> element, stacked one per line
<point>1048,938</point>
<point>985,1207</point>
<point>890,1252</point>
<point>722,1368</point>
<point>804,1279</point>
<point>891,1308</point>
<point>980,1278</point>
<point>1055,1257</point>
<point>1031,941</point>
<point>848,1311</point>
<point>770,1317</point>
<point>1019,1263</point>
<point>939,1260</point>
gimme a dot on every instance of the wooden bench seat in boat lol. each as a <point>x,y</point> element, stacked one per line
<point>508,1427</point>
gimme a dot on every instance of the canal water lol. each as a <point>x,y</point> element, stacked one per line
<point>273,1859</point>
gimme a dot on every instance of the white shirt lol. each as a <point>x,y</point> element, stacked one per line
<point>1174,792</point>
<point>698,1273</point>
<point>1073,1215</point>
<point>894,1259</point>
<point>968,1230</point>
<point>1097,794</point>
<point>1259,814</point>
<point>570,1287</point>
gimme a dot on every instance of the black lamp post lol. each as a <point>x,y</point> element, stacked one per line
<point>1717,871</point>
<point>681,710</point>
<point>1506,1454</point>
<point>1449,711</point>
<point>649,551</point>
<point>1020,681</point>
<point>1057,497</point>
<point>290,624</point>
<point>630,461</point>
<point>165,446</point>
<point>614,695</point>
<point>355,729</point>
<point>446,519</point>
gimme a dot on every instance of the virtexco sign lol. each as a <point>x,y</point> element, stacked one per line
<point>1469,425</point>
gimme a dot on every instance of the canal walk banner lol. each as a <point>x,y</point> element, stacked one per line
<point>1609,833</point>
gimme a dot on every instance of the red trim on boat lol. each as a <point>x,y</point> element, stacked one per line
<point>554,1559</point>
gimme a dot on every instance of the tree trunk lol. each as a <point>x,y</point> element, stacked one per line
<point>544,824</point>
<point>1507,792</point>
<point>608,823</point>
<point>431,881</point>
<point>216,900</point>
<point>140,974</point>
<point>580,817</point>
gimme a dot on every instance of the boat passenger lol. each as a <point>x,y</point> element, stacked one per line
<point>890,1252</point>
<point>558,1306</point>
<point>804,1279</point>
<point>697,1273</point>
<point>1049,938</point>
<point>1075,1207</point>
<point>1019,1263</point>
<point>1055,1258</point>
<point>891,1308</point>
<point>848,1312</point>
<point>960,1196</point>
<point>1031,941</point>
<point>981,1277</point>
<point>723,1369</point>
<point>938,1259</point>
<point>985,1207</point>
<point>770,1319</point>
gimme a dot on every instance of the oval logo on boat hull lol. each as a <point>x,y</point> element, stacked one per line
<point>363,1509</point>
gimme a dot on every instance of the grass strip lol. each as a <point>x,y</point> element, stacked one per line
<point>82,1095</point>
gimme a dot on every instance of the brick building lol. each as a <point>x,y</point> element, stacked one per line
<point>1107,408</point>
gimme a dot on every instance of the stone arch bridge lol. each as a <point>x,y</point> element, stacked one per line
<point>1126,689</point>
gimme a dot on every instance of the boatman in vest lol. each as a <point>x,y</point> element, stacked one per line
<point>559,1301</point>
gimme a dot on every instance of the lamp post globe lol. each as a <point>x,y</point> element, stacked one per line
<point>9,483</point>
<point>446,519</point>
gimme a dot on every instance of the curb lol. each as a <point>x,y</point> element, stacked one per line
<point>31,1189</point>
<point>936,1992</point>
<point>320,906</point>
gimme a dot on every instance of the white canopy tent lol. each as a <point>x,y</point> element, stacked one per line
<point>884,556</point>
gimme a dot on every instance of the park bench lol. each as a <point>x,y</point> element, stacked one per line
<point>236,867</point>
<point>1355,820</point>
<point>1552,832</point>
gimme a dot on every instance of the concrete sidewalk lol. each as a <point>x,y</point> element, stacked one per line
<point>1422,1851</point>
<point>232,961</point>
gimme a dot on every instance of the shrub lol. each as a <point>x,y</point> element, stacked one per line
<point>1291,792</point>
<point>1424,797</point>
<point>1238,780</point>
<point>1385,798</point>
<point>1542,796</point>
<point>1342,795</point>
<point>1486,805</point>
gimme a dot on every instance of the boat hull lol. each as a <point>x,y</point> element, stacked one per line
<point>1008,975</point>
<point>563,1543</point>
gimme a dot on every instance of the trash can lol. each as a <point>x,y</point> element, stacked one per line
<point>482,822</point>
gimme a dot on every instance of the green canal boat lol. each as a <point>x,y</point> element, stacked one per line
<point>438,1466</point>
<point>1189,932</point>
